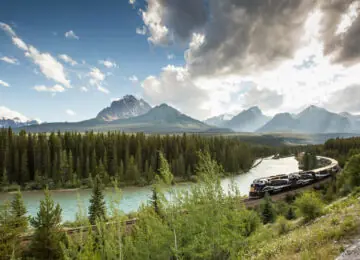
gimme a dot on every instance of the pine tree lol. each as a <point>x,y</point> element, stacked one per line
<point>97,208</point>
<point>290,214</point>
<point>4,179</point>
<point>8,236</point>
<point>18,212</point>
<point>267,210</point>
<point>165,174</point>
<point>47,237</point>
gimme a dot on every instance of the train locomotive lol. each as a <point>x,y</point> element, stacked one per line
<point>284,182</point>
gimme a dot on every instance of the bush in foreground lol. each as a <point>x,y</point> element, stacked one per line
<point>309,206</point>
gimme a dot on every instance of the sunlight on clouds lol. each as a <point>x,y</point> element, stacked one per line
<point>348,18</point>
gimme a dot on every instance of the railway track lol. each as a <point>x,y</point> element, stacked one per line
<point>249,203</point>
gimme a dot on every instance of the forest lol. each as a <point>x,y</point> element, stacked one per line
<point>71,160</point>
<point>202,223</point>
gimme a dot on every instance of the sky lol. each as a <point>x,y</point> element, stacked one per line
<point>67,60</point>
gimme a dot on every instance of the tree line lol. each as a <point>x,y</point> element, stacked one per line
<point>74,159</point>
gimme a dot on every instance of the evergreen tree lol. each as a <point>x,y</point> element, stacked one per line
<point>165,174</point>
<point>4,179</point>
<point>290,213</point>
<point>97,208</point>
<point>18,212</point>
<point>267,210</point>
<point>48,236</point>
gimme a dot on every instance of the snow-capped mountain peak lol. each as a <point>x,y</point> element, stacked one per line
<point>127,107</point>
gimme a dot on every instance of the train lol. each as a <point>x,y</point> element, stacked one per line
<point>285,182</point>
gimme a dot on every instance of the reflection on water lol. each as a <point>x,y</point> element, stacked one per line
<point>133,197</point>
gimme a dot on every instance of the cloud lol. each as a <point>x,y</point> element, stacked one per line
<point>11,114</point>
<point>84,89</point>
<point>49,66</point>
<point>9,60</point>
<point>108,63</point>
<point>341,30</point>
<point>20,43</point>
<point>7,29</point>
<point>141,30</point>
<point>133,79</point>
<point>71,35</point>
<point>103,89</point>
<point>54,89</point>
<point>170,56</point>
<point>175,87</point>
<point>345,100</point>
<point>169,21</point>
<point>266,99</point>
<point>70,112</point>
<point>67,59</point>
<point>96,75</point>
<point>96,79</point>
<point>3,83</point>
<point>132,2</point>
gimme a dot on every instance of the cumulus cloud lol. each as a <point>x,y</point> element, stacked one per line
<point>67,59</point>
<point>71,35</point>
<point>54,89</point>
<point>345,100</point>
<point>9,60</point>
<point>49,66</point>
<point>70,112</point>
<point>141,30</point>
<point>133,79</point>
<point>132,2</point>
<point>341,30</point>
<point>266,99</point>
<point>3,83</point>
<point>175,87</point>
<point>11,114</point>
<point>108,63</point>
<point>173,20</point>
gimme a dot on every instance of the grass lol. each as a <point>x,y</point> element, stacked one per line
<point>321,239</point>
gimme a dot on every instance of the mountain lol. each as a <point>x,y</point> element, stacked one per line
<point>354,121</point>
<point>127,107</point>
<point>311,120</point>
<point>282,122</point>
<point>160,119</point>
<point>219,121</point>
<point>248,120</point>
<point>16,122</point>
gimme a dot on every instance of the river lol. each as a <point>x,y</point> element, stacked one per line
<point>133,197</point>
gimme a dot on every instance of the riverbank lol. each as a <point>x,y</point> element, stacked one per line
<point>132,197</point>
<point>12,188</point>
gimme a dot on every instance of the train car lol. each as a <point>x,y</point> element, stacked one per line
<point>283,182</point>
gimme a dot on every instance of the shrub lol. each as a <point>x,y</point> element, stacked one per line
<point>282,226</point>
<point>309,206</point>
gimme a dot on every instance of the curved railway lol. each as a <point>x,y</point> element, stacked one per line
<point>326,173</point>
